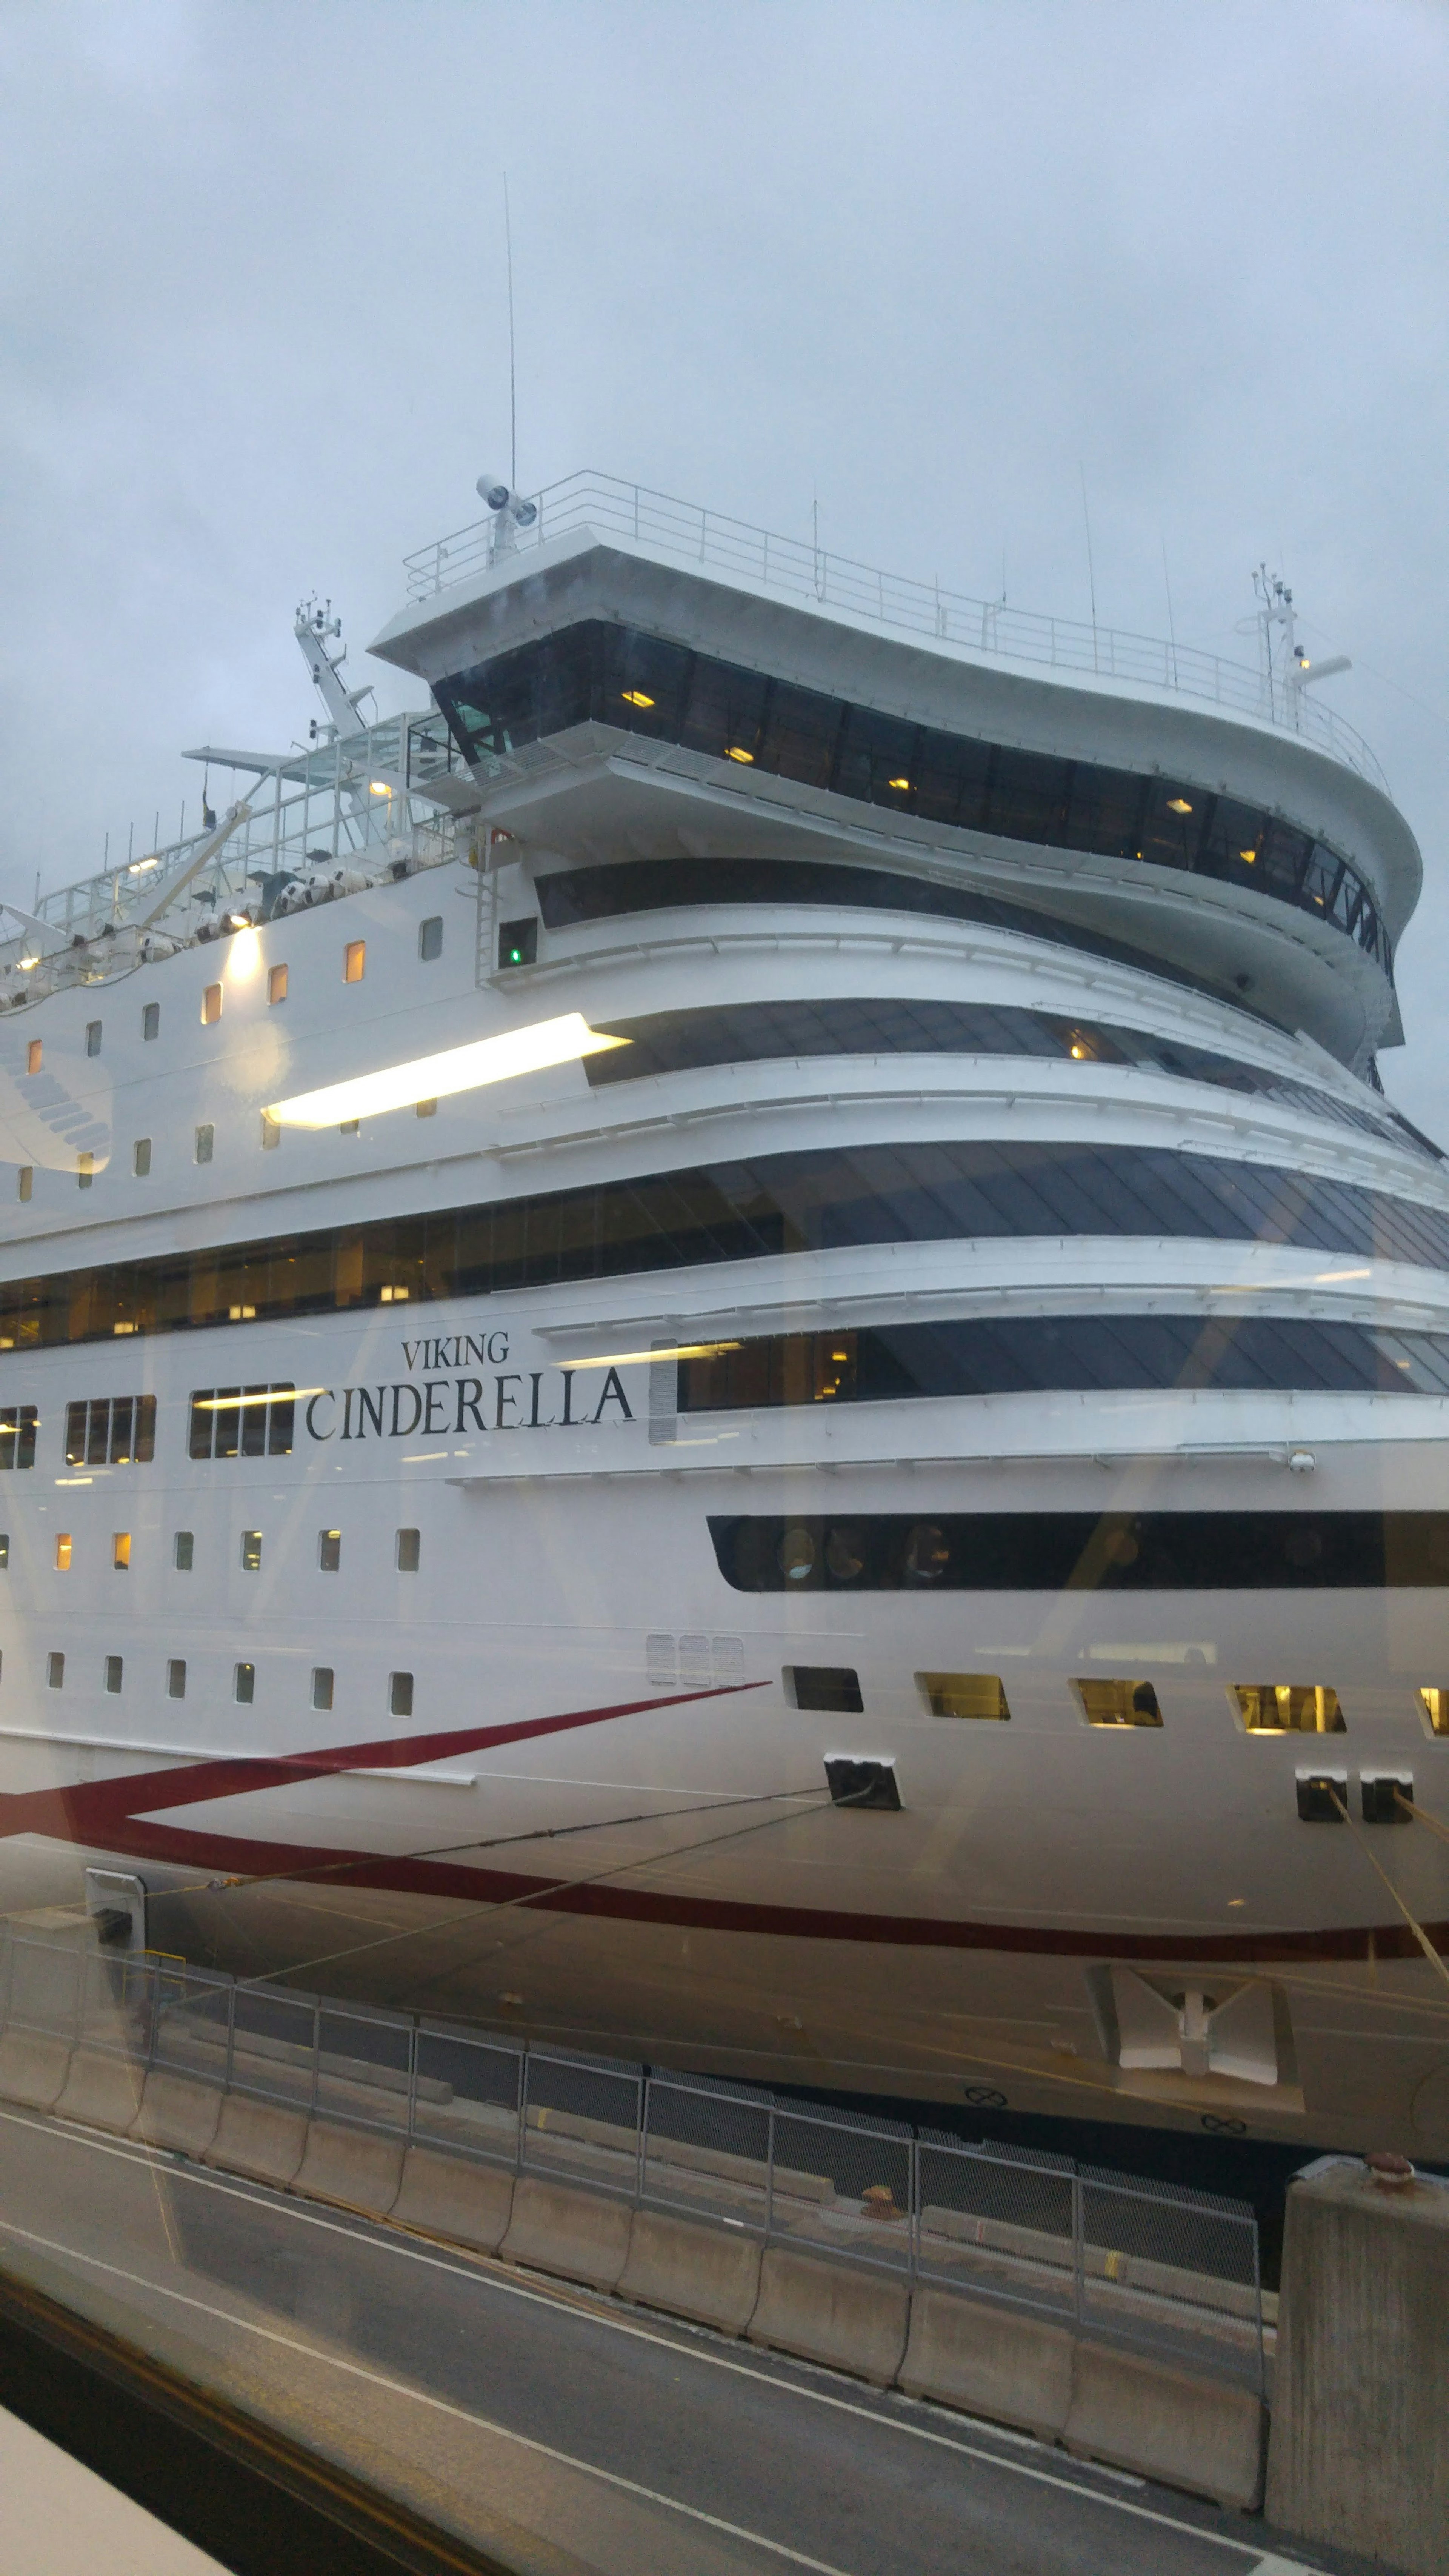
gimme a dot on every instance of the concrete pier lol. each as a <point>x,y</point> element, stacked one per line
<point>1359,2450</point>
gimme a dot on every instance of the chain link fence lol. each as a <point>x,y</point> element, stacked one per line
<point>1107,2254</point>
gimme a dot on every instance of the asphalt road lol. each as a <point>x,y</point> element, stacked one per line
<point>634,2446</point>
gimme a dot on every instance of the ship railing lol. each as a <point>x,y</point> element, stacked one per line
<point>1136,2261</point>
<point>812,575</point>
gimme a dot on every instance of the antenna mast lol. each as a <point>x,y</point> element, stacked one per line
<point>512,369</point>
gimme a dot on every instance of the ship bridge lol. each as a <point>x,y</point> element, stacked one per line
<point>683,708</point>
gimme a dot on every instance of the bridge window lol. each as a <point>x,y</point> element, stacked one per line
<point>1289,1708</point>
<point>1107,1703</point>
<point>111,1431</point>
<point>970,1695</point>
<point>242,1422</point>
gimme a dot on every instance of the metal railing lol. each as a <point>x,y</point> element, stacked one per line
<point>808,573</point>
<point>1110,2254</point>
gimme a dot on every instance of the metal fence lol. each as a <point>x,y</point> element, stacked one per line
<point>1110,2254</point>
<point>810,574</point>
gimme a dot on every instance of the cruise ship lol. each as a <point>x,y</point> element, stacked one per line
<point>722,1350</point>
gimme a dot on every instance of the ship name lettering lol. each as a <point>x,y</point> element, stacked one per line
<point>395,1411</point>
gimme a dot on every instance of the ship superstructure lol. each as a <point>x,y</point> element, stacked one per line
<point>723,1348</point>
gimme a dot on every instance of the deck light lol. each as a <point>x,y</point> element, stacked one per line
<point>378,787</point>
<point>437,1077</point>
<point>737,751</point>
<point>1178,805</point>
<point>139,867</point>
<point>635,698</point>
<point>1079,1052</point>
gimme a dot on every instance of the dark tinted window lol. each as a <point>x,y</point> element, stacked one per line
<point>749,1032</point>
<point>1087,1552</point>
<point>643,683</point>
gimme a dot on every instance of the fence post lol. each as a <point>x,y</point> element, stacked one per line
<point>770,2179</point>
<point>1078,2246</point>
<point>913,2242</point>
<point>414,2035</point>
<point>229,2071</point>
<point>522,2119</point>
<point>316,2055</point>
<point>1258,2307</point>
<point>642,2155</point>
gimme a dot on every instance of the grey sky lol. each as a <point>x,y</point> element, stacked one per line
<point>925,261</point>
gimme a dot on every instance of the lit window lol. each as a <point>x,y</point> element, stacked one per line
<point>211,1006</point>
<point>900,784</point>
<point>184,1551</point>
<point>635,698</point>
<point>276,983</point>
<point>205,1144</point>
<point>27,1181</point>
<point>271,1133</point>
<point>113,1674</point>
<point>1434,1700</point>
<point>329,1550</point>
<point>251,1551</point>
<point>1289,1708</point>
<point>430,938</point>
<point>964,1694</point>
<point>1178,805</point>
<point>4,1550</point>
<point>141,1157</point>
<point>85,1170</point>
<point>400,1694</point>
<point>151,1020</point>
<point>244,1684</point>
<point>93,1037</point>
<point>121,1551</point>
<point>322,1686</point>
<point>1119,1703</point>
<point>62,1552</point>
<point>395,1296</point>
<point>409,1550</point>
<point>33,1056</point>
<point>737,751</point>
<point>354,961</point>
<point>176,1678</point>
<point>55,1671</point>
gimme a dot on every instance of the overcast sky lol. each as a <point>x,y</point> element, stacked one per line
<point>931,263</point>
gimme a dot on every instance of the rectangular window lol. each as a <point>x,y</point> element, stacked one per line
<point>354,961</point>
<point>409,1550</point>
<point>121,1551</point>
<point>93,1037</point>
<point>245,1422</point>
<point>1118,1703</point>
<point>55,1671</point>
<point>176,1678</point>
<point>183,1551</point>
<point>251,1551</point>
<point>1289,1708</point>
<point>113,1674</point>
<point>111,1431</point>
<point>244,1684</point>
<point>151,1020</point>
<point>1433,1699</point>
<point>321,1686</point>
<point>964,1694</point>
<point>518,942</point>
<point>276,983</point>
<point>33,1056</point>
<point>430,938</point>
<point>211,1006</point>
<point>400,1694</point>
<point>85,1170</point>
<point>4,1550</point>
<point>62,1552</point>
<point>141,1157</point>
<point>205,1143</point>
<point>26,1182</point>
<point>271,1133</point>
<point>18,1424</point>
<point>329,1550</point>
<point>831,1687</point>
<point>351,1126</point>
<point>426,1108</point>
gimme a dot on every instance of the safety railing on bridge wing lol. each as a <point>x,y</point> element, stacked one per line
<point>1109,2254</point>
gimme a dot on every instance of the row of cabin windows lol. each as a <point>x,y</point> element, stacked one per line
<point>244,1682</point>
<point>1264,1708</point>
<point>354,967</point>
<point>407,1551</point>
<point>204,1149</point>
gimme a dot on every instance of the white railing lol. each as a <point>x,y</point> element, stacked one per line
<point>805,572</point>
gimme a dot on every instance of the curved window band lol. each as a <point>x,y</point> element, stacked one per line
<point>755,1032</point>
<point>822,1199</point>
<point>600,673</point>
<point>1086,1552</point>
<point>1051,1354</point>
